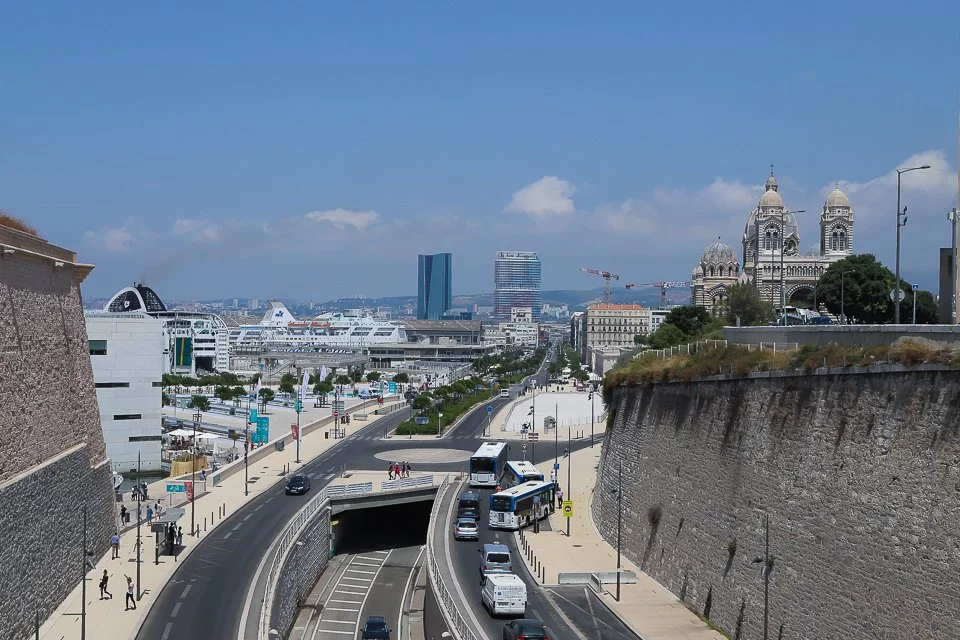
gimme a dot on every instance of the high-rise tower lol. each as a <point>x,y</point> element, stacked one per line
<point>516,284</point>
<point>434,285</point>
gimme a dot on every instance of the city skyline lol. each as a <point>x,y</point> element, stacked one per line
<point>262,171</point>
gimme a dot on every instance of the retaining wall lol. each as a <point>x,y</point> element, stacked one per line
<point>300,570</point>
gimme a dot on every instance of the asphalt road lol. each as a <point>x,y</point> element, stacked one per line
<point>390,587</point>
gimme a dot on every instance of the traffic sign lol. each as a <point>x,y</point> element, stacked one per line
<point>489,410</point>
<point>568,508</point>
<point>556,466</point>
<point>894,292</point>
<point>916,287</point>
<point>534,436</point>
<point>176,487</point>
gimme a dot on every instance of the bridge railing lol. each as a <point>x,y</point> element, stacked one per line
<point>288,537</point>
<point>406,483</point>
<point>448,606</point>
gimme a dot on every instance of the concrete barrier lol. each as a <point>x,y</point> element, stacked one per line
<point>602,577</point>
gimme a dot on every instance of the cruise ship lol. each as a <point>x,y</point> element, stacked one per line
<point>279,330</point>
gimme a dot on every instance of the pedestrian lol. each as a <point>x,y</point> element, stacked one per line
<point>130,599</point>
<point>179,536</point>
<point>115,543</point>
<point>143,490</point>
<point>390,471</point>
<point>396,470</point>
<point>408,470</point>
<point>149,515</point>
<point>103,586</point>
<point>559,497</point>
<point>123,515</point>
<point>203,475</point>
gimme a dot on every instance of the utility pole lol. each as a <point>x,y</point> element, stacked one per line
<point>591,416</point>
<point>619,521</point>
<point>952,216</point>
<point>569,465</point>
<point>139,500</point>
<point>767,567</point>
<point>193,476</point>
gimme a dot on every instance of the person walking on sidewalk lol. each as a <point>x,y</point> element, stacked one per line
<point>115,544</point>
<point>103,586</point>
<point>390,470</point>
<point>123,514</point>
<point>179,536</point>
<point>149,515</point>
<point>559,497</point>
<point>130,599</point>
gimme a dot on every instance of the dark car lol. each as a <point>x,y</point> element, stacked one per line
<point>375,628</point>
<point>297,485</point>
<point>524,629</point>
<point>820,320</point>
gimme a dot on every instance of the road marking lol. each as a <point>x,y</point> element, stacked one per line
<point>406,590</point>
<point>356,580</point>
<point>345,601</point>
<point>340,609</point>
<point>258,507</point>
<point>350,593</point>
<point>186,590</point>
<point>227,534</point>
<point>356,629</point>
<point>166,631</point>
<point>328,477</point>
<point>346,633</point>
<point>249,515</point>
<point>361,571</point>
<point>339,622</point>
<point>377,560</point>
<point>176,610</point>
<point>237,527</point>
<point>449,559</point>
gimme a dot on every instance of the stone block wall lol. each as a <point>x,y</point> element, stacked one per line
<point>859,474</point>
<point>300,571</point>
<point>52,454</point>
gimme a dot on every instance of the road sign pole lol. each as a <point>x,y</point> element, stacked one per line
<point>569,465</point>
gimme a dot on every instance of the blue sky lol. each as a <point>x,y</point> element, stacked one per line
<point>311,150</point>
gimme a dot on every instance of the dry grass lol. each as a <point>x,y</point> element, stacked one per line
<point>738,360</point>
<point>12,222</point>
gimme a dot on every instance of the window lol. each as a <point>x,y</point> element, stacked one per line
<point>143,439</point>
<point>157,384</point>
<point>126,416</point>
<point>97,347</point>
<point>111,385</point>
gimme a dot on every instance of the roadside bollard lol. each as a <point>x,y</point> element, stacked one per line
<point>211,519</point>
<point>205,524</point>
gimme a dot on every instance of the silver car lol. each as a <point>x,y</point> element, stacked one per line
<point>466,529</point>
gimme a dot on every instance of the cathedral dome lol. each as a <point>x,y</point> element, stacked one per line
<point>771,198</point>
<point>837,198</point>
<point>719,253</point>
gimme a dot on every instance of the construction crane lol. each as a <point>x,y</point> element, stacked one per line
<point>606,275</point>
<point>663,286</point>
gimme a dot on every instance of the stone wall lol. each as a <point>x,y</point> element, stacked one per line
<point>300,571</point>
<point>859,474</point>
<point>945,336</point>
<point>52,456</point>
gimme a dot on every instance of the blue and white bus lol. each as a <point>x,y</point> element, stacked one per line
<point>517,472</point>
<point>486,465</point>
<point>518,506</point>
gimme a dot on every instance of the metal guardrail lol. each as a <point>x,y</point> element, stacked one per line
<point>448,606</point>
<point>407,483</point>
<point>289,535</point>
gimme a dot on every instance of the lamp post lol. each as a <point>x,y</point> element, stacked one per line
<point>594,390</point>
<point>783,291</point>
<point>139,500</point>
<point>298,404</point>
<point>193,475</point>
<point>569,465</point>
<point>843,312</point>
<point>903,214</point>
<point>619,492</point>
<point>439,421</point>
<point>952,217</point>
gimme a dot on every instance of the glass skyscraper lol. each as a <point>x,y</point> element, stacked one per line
<point>516,283</point>
<point>434,285</point>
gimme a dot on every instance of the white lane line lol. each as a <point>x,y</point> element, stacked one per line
<point>249,515</point>
<point>366,558</point>
<point>340,609</point>
<point>350,593</point>
<point>339,622</point>
<point>346,633</point>
<point>186,590</point>
<point>237,527</point>
<point>356,629</point>
<point>362,572</point>
<point>356,580</point>
<point>176,610</point>
<point>259,506</point>
<point>227,535</point>
<point>166,631</point>
<point>345,601</point>
<point>329,477</point>
<point>366,564</point>
<point>406,590</point>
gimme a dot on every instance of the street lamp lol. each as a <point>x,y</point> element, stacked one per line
<point>843,312</point>
<point>619,492</point>
<point>592,412</point>
<point>783,291</point>
<point>193,475</point>
<point>903,214</point>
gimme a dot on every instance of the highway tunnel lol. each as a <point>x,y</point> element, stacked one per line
<point>382,527</point>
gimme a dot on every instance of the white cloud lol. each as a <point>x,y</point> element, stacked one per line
<point>112,239</point>
<point>548,196</point>
<point>343,218</point>
<point>197,229</point>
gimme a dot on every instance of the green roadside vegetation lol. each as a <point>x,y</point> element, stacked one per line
<point>740,360</point>
<point>567,358</point>
<point>226,386</point>
<point>510,366</point>
<point>451,400</point>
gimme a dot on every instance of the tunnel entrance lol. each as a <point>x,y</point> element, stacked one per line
<point>379,528</point>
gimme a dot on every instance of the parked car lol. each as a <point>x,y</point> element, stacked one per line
<point>375,628</point>
<point>466,529</point>
<point>297,485</point>
<point>820,320</point>
<point>524,629</point>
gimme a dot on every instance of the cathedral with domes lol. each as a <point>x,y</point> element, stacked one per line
<point>771,239</point>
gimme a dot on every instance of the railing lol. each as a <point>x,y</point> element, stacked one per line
<point>407,483</point>
<point>289,535</point>
<point>448,606</point>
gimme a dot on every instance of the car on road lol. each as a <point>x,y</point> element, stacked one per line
<point>297,485</point>
<point>466,529</point>
<point>375,628</point>
<point>525,629</point>
<point>494,558</point>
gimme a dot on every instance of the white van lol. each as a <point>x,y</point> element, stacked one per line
<point>504,594</point>
<point>504,393</point>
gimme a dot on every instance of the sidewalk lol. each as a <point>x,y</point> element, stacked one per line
<point>499,422</point>
<point>647,607</point>
<point>107,618</point>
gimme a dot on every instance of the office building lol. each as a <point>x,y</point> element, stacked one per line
<point>516,284</point>
<point>434,285</point>
<point>127,355</point>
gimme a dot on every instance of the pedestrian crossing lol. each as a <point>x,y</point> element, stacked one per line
<point>340,615</point>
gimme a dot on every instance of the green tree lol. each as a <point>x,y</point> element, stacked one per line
<point>691,320</point>
<point>423,402</point>
<point>342,379</point>
<point>401,378</point>
<point>743,302</point>
<point>322,387</point>
<point>200,403</point>
<point>927,310</point>
<point>356,375</point>
<point>223,392</point>
<point>373,376</point>
<point>866,291</point>
<point>286,386</point>
<point>668,335</point>
<point>165,399</point>
<point>266,395</point>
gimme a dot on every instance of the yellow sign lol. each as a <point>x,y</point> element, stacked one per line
<point>334,523</point>
<point>567,508</point>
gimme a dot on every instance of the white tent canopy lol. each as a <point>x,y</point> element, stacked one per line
<point>181,432</point>
<point>207,436</point>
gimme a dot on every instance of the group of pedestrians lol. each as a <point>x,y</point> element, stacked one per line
<point>397,470</point>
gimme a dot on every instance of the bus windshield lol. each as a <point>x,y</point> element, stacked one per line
<point>481,465</point>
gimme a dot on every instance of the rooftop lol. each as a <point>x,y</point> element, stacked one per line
<point>447,325</point>
<point>609,306</point>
